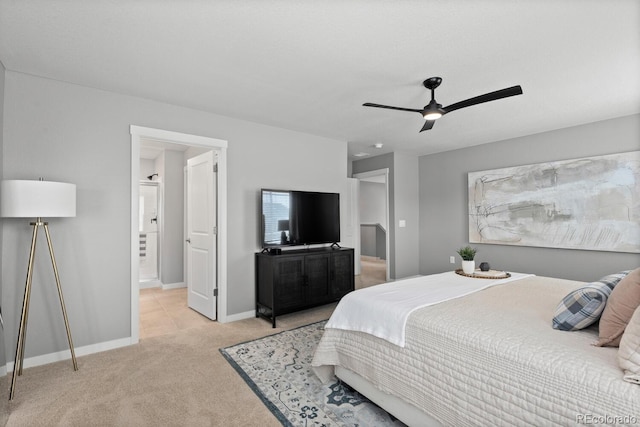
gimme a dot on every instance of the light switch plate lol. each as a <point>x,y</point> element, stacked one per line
<point>402,223</point>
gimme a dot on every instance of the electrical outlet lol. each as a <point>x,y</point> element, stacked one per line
<point>452,259</point>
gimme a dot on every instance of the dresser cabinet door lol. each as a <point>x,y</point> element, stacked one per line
<point>317,284</point>
<point>342,274</point>
<point>289,279</point>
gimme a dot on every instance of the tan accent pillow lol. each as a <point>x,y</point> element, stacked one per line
<point>622,302</point>
<point>629,352</point>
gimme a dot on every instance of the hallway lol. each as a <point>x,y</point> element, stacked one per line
<point>373,272</point>
<point>165,311</point>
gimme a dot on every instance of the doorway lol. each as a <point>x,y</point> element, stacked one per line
<point>148,236</point>
<point>373,201</point>
<point>219,147</point>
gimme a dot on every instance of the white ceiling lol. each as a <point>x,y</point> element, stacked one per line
<point>310,65</point>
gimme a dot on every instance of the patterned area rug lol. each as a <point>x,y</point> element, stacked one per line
<point>278,370</point>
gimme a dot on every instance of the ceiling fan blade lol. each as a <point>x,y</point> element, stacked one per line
<point>428,124</point>
<point>368,104</point>
<point>491,96</point>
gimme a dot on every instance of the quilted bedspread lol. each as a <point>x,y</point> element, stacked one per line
<point>395,301</point>
<point>492,358</point>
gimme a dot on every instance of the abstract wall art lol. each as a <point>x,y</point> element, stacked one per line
<point>591,203</point>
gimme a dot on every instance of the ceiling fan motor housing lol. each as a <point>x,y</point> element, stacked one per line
<point>432,82</point>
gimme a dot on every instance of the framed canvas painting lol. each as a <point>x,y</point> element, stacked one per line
<point>591,203</point>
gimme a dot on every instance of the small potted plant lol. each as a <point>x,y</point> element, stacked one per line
<point>468,254</point>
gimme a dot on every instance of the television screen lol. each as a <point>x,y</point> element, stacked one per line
<point>299,218</point>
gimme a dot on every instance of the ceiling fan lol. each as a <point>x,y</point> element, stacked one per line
<point>433,111</point>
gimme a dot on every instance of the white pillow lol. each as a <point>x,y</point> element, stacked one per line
<point>629,351</point>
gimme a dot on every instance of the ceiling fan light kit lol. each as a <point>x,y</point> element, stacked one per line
<point>433,111</point>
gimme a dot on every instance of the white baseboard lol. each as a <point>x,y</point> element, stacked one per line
<point>174,285</point>
<point>3,371</point>
<point>66,354</point>
<point>147,284</point>
<point>238,316</point>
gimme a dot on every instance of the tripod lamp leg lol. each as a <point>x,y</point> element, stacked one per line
<point>17,366</point>
<point>64,310</point>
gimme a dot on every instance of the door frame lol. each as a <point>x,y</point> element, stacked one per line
<point>220,146</point>
<point>369,174</point>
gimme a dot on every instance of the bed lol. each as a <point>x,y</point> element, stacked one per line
<point>488,357</point>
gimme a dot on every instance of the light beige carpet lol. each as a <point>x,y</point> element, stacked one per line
<point>4,403</point>
<point>373,271</point>
<point>179,379</point>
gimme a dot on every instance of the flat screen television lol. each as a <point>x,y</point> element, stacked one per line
<point>290,218</point>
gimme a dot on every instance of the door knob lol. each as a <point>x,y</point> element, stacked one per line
<point>188,240</point>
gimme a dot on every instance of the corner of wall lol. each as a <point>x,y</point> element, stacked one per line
<point>4,410</point>
<point>407,204</point>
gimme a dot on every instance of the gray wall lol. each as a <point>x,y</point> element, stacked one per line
<point>403,257</point>
<point>147,167</point>
<point>443,200</point>
<point>406,205</point>
<point>86,133</point>
<point>372,203</point>
<point>172,249</point>
<point>373,241</point>
<point>4,386</point>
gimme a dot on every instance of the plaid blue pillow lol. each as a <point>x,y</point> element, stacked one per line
<point>584,306</point>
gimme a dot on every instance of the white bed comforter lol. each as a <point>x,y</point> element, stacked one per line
<point>383,310</point>
<point>492,358</point>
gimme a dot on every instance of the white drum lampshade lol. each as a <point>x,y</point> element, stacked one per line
<point>37,199</point>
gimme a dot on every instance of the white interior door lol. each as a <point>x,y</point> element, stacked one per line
<point>201,234</point>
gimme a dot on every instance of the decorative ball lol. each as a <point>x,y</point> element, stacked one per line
<point>484,266</point>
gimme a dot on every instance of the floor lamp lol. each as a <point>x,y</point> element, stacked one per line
<point>37,199</point>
